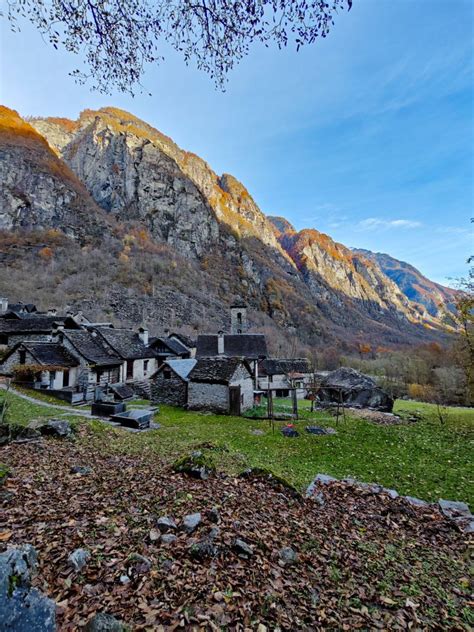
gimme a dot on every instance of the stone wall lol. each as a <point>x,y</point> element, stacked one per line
<point>172,390</point>
<point>212,397</point>
<point>244,380</point>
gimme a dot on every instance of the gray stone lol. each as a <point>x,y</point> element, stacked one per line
<point>454,509</point>
<point>53,427</point>
<point>191,522</point>
<point>124,579</point>
<point>78,559</point>
<point>319,479</point>
<point>83,470</point>
<point>242,548</point>
<point>390,492</point>
<point>288,555</point>
<point>257,432</point>
<point>416,502</point>
<point>103,622</point>
<point>165,523</point>
<point>22,608</point>
<point>203,549</point>
<point>139,564</point>
<point>168,538</point>
<point>290,432</point>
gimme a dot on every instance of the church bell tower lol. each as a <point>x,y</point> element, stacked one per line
<point>238,318</point>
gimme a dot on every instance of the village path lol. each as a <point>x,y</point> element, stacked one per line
<point>67,409</point>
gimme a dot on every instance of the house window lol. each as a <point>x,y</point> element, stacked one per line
<point>239,318</point>
<point>99,374</point>
<point>22,356</point>
<point>3,339</point>
<point>167,374</point>
<point>145,367</point>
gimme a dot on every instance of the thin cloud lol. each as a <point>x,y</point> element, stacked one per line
<point>375,223</point>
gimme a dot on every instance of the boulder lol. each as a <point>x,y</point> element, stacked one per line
<point>23,608</point>
<point>352,388</point>
<point>288,556</point>
<point>196,465</point>
<point>53,427</point>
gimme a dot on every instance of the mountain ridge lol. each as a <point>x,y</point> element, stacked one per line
<point>137,179</point>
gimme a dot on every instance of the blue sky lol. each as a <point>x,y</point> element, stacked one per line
<point>367,136</point>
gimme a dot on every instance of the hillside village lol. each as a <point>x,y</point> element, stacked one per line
<point>75,360</point>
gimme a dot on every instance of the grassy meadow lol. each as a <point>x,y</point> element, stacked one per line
<point>426,458</point>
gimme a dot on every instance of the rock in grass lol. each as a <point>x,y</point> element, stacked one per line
<point>242,548</point>
<point>23,608</point>
<point>53,427</point>
<point>416,502</point>
<point>289,431</point>
<point>168,538</point>
<point>191,522</point>
<point>103,622</point>
<point>165,524</point>
<point>78,559</point>
<point>196,465</point>
<point>319,479</point>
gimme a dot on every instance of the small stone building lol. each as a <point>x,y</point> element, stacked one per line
<point>169,385</point>
<point>221,385</point>
<point>42,364</point>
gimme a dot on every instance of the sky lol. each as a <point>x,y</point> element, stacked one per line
<point>366,135</point>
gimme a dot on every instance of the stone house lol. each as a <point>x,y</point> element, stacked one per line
<point>283,374</point>
<point>47,365</point>
<point>185,341</point>
<point>169,385</point>
<point>98,365</point>
<point>169,348</point>
<point>139,359</point>
<point>221,385</point>
<point>14,328</point>
<point>251,347</point>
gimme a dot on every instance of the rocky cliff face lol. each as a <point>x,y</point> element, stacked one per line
<point>430,297</point>
<point>38,189</point>
<point>174,227</point>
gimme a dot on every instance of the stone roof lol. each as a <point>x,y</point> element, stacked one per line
<point>126,343</point>
<point>35,324</point>
<point>92,348</point>
<point>217,370</point>
<point>182,368</point>
<point>249,346</point>
<point>283,366</point>
<point>185,340</point>
<point>50,353</point>
<point>161,344</point>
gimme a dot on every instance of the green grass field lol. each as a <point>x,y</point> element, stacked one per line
<point>425,459</point>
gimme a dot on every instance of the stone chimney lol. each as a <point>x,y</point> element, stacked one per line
<point>3,305</point>
<point>57,333</point>
<point>220,343</point>
<point>143,335</point>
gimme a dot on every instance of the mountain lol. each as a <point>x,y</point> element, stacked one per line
<point>437,299</point>
<point>108,213</point>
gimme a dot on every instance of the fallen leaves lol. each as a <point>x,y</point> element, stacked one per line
<point>363,561</point>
